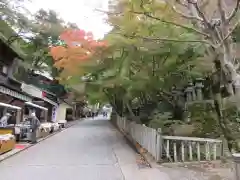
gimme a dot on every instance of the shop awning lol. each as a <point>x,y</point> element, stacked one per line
<point>36,92</point>
<point>9,106</point>
<point>36,106</point>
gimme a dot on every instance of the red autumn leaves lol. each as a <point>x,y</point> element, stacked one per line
<point>79,46</point>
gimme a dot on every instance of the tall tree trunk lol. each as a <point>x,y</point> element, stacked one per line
<point>132,115</point>
<point>227,132</point>
<point>220,36</point>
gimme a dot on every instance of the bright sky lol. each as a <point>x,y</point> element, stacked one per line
<point>81,12</point>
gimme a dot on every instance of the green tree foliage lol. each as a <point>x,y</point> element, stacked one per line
<point>32,34</point>
<point>168,43</point>
<point>46,29</point>
<point>142,63</point>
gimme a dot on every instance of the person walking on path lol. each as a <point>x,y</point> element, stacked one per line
<point>4,120</point>
<point>35,123</point>
<point>104,113</point>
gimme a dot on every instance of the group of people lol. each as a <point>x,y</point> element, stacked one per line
<point>94,112</point>
<point>104,113</point>
<point>32,118</point>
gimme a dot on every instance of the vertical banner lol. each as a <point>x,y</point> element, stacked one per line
<point>54,111</point>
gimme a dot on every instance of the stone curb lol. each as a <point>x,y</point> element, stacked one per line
<point>40,140</point>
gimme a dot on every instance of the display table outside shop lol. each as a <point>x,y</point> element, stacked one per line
<point>44,130</point>
<point>6,130</point>
<point>7,143</point>
<point>62,123</point>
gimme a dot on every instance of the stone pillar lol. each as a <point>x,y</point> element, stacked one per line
<point>199,86</point>
<point>174,92</point>
<point>194,96</point>
<point>189,91</point>
<point>236,160</point>
<point>159,142</point>
<point>45,115</point>
<point>18,116</point>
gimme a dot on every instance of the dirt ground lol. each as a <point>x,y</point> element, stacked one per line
<point>200,171</point>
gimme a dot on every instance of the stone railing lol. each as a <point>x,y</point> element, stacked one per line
<point>236,160</point>
<point>171,148</point>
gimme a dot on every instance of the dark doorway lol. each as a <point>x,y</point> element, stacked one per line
<point>69,114</point>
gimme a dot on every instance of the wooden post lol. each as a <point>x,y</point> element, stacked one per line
<point>236,160</point>
<point>159,144</point>
<point>45,116</point>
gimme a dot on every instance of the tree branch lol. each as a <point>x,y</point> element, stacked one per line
<point>204,4</point>
<point>221,11</point>
<point>229,34</point>
<point>181,3</point>
<point>185,15</point>
<point>234,12</point>
<point>207,25</point>
<point>159,19</point>
<point>200,13</point>
<point>109,13</point>
<point>13,38</point>
<point>172,23</point>
<point>165,39</point>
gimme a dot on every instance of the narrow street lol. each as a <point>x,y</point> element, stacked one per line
<point>90,150</point>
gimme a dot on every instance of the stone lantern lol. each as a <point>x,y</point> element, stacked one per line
<point>191,96</point>
<point>199,86</point>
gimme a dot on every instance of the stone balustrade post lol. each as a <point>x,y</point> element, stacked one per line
<point>237,89</point>
<point>236,160</point>
<point>159,145</point>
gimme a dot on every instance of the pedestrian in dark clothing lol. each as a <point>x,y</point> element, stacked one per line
<point>104,114</point>
<point>35,123</point>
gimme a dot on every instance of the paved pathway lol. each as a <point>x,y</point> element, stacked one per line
<point>90,150</point>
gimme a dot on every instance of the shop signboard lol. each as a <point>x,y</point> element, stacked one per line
<point>33,91</point>
<point>15,94</point>
<point>36,92</point>
<point>50,98</point>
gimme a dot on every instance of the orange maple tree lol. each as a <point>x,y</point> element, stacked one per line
<point>79,46</point>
